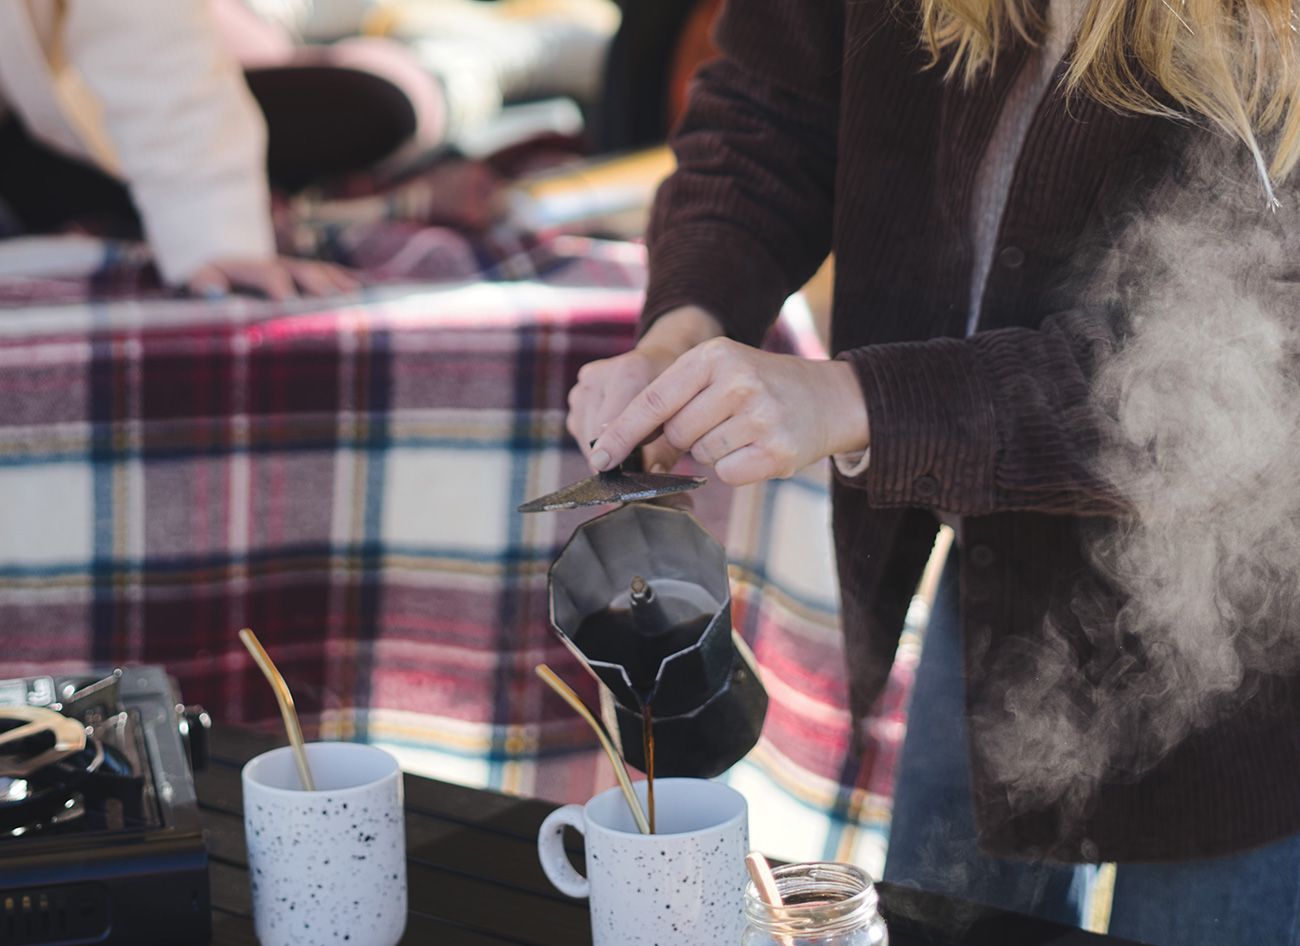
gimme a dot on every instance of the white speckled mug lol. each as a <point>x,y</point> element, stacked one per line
<point>327,866</point>
<point>682,886</point>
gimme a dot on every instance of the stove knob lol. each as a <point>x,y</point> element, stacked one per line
<point>195,723</point>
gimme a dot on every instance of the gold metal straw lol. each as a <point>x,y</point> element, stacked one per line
<point>285,699</point>
<point>566,693</point>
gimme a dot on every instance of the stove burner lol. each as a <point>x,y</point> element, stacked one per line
<point>99,826</point>
<point>32,737</point>
<point>95,782</point>
<point>28,802</point>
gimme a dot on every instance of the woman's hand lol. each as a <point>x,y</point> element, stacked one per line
<point>607,386</point>
<point>749,414</point>
<point>279,278</point>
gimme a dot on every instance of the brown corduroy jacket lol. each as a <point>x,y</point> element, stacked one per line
<point>822,128</point>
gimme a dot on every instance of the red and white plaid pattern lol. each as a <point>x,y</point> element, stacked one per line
<point>342,477</point>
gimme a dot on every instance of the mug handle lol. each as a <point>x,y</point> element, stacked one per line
<point>550,851</point>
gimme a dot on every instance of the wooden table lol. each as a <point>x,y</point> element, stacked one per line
<point>474,878</point>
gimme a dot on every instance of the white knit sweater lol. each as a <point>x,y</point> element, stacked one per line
<point>143,89</point>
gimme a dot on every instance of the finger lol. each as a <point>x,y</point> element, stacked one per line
<point>584,400</point>
<point>603,413</point>
<point>706,411</point>
<point>270,279</point>
<point>574,420</point>
<point>747,465</point>
<point>594,422</point>
<point>578,421</point>
<point>209,282</point>
<point>660,456</point>
<point>312,278</point>
<point>338,278</point>
<point>343,279</point>
<point>656,403</point>
<point>617,392</point>
<point>575,413</point>
<point>735,433</point>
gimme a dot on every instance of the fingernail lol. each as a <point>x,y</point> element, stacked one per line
<point>600,460</point>
<point>658,468</point>
<point>212,293</point>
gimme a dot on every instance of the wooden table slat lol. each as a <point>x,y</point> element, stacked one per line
<point>473,850</point>
<point>479,906</point>
<point>472,869</point>
<point>474,879</point>
<point>234,927</point>
<point>486,810</point>
<point>230,930</point>
<point>229,886</point>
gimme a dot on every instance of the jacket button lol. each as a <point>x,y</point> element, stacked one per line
<point>1012,257</point>
<point>981,556</point>
<point>926,487</point>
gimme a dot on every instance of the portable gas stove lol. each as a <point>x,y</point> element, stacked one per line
<point>100,840</point>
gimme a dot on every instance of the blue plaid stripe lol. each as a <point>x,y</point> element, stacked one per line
<point>393,624</point>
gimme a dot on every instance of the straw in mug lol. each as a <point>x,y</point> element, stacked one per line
<point>285,699</point>
<point>566,693</point>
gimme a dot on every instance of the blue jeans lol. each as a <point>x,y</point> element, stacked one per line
<point>1247,899</point>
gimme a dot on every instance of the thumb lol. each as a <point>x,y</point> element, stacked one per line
<point>659,456</point>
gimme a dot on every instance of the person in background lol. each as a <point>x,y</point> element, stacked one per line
<point>471,57</point>
<point>119,109</point>
<point>962,158</point>
<point>361,104</point>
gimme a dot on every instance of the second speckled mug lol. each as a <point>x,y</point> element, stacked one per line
<point>683,886</point>
<point>327,866</point>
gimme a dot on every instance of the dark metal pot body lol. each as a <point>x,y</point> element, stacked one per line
<point>707,700</point>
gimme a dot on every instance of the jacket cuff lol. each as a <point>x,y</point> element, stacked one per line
<point>721,269</point>
<point>852,465</point>
<point>933,426</point>
<point>189,227</point>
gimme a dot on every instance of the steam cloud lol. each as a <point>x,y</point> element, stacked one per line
<point>1202,400</point>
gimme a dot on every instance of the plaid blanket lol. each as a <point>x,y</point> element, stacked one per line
<point>342,477</point>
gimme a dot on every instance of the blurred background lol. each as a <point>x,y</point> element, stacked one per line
<point>186,449</point>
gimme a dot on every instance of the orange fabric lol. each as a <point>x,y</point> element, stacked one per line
<point>694,47</point>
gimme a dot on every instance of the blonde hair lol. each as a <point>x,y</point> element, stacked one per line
<point>1234,62</point>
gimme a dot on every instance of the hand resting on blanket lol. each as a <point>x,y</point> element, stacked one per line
<point>278,278</point>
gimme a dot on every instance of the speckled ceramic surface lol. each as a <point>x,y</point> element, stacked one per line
<point>326,867</point>
<point>683,886</point>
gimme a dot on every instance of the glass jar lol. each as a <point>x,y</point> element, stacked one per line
<point>825,905</point>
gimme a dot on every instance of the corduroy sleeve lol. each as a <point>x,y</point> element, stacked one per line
<point>746,218</point>
<point>1000,421</point>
